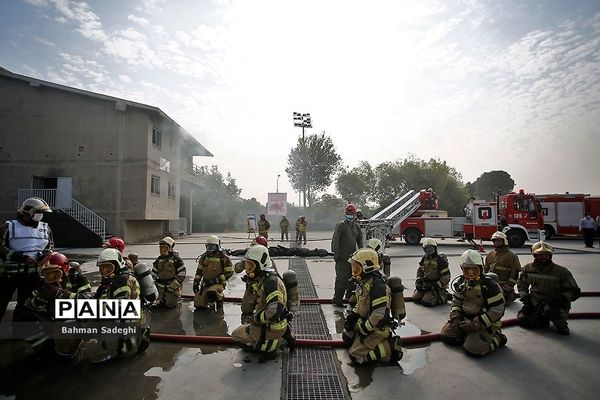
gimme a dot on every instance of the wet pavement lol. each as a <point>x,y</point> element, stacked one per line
<point>541,364</point>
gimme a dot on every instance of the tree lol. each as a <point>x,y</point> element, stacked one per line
<point>312,165</point>
<point>356,185</point>
<point>490,183</point>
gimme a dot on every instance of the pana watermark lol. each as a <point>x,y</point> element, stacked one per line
<point>97,309</point>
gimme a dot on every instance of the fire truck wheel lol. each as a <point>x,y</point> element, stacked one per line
<point>549,231</point>
<point>516,238</point>
<point>412,236</point>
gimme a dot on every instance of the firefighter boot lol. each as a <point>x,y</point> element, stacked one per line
<point>290,340</point>
<point>562,327</point>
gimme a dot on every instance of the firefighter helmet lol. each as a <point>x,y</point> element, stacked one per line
<point>429,242</point>
<point>541,248</point>
<point>367,258</point>
<point>259,255</point>
<point>471,257</point>
<point>53,267</point>
<point>167,241</point>
<point>500,235</point>
<point>375,244</point>
<point>212,239</point>
<point>115,242</point>
<point>350,209</point>
<point>33,205</point>
<point>261,240</point>
<point>107,258</point>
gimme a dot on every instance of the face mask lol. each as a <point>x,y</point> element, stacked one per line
<point>349,217</point>
<point>429,250</point>
<point>37,217</point>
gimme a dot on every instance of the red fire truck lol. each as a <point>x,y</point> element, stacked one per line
<point>519,215</point>
<point>562,212</point>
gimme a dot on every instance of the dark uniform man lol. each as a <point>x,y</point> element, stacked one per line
<point>347,238</point>
<point>477,308</point>
<point>25,241</point>
<point>263,226</point>
<point>368,327</point>
<point>214,269</point>
<point>505,264</point>
<point>169,272</point>
<point>433,276</point>
<point>284,225</point>
<point>546,290</point>
<point>269,322</point>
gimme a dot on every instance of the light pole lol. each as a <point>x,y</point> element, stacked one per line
<point>304,121</point>
<point>277,187</point>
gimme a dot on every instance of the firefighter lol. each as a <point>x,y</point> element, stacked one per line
<point>116,242</point>
<point>59,281</point>
<point>433,276</point>
<point>25,241</point>
<point>368,328</point>
<point>284,225</point>
<point>347,238</point>
<point>546,290</point>
<point>301,229</point>
<point>395,283</point>
<point>505,264</point>
<point>269,322</point>
<point>385,261</point>
<point>118,282</point>
<point>263,226</point>
<point>476,310</point>
<point>214,269</point>
<point>169,272</point>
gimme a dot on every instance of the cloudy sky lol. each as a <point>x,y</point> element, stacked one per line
<point>484,85</point>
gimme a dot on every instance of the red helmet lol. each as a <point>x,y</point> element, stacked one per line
<point>351,209</point>
<point>115,242</point>
<point>261,240</point>
<point>56,260</point>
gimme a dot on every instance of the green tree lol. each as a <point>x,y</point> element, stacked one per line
<point>356,185</point>
<point>312,165</point>
<point>490,183</point>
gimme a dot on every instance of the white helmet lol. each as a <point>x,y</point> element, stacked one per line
<point>471,257</point>
<point>375,244</point>
<point>112,256</point>
<point>500,235</point>
<point>167,241</point>
<point>259,254</point>
<point>34,205</point>
<point>212,239</point>
<point>429,242</point>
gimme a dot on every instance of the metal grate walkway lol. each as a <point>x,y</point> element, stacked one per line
<point>311,373</point>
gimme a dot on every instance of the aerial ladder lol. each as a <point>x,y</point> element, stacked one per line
<point>382,224</point>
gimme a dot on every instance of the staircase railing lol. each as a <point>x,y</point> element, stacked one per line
<point>58,200</point>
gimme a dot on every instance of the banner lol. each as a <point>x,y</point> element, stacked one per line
<point>277,204</point>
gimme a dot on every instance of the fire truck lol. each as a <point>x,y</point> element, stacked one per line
<point>416,215</point>
<point>562,212</point>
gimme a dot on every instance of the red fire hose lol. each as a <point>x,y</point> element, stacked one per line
<point>430,337</point>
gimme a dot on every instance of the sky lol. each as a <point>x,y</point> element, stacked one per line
<point>484,85</point>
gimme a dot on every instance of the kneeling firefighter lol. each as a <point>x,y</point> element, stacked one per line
<point>267,329</point>
<point>369,327</point>
<point>476,310</point>
<point>214,269</point>
<point>433,276</point>
<point>118,282</point>
<point>169,272</point>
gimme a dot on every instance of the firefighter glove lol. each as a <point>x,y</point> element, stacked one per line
<point>470,326</point>
<point>351,320</point>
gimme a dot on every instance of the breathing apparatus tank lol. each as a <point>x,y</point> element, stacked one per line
<point>143,274</point>
<point>398,307</point>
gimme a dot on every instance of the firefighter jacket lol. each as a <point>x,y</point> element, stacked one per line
<point>20,240</point>
<point>347,237</point>
<point>373,306</point>
<point>74,285</point>
<point>169,267</point>
<point>284,224</point>
<point>505,264</point>
<point>213,269</point>
<point>546,282</point>
<point>263,226</point>
<point>271,310</point>
<point>481,301</point>
<point>433,271</point>
<point>301,226</point>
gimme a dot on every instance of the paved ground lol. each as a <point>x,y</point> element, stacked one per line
<point>540,364</point>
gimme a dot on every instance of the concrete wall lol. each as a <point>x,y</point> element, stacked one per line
<point>144,230</point>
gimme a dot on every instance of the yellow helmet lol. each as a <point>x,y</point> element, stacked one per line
<point>541,248</point>
<point>367,258</point>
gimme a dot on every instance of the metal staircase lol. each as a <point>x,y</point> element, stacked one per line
<point>58,200</point>
<point>385,221</point>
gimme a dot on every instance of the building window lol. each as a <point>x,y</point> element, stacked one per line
<point>155,185</point>
<point>156,137</point>
<point>165,165</point>
<point>172,189</point>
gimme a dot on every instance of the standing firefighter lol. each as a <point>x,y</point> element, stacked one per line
<point>263,226</point>
<point>477,308</point>
<point>347,238</point>
<point>546,290</point>
<point>118,282</point>
<point>284,225</point>
<point>169,272</point>
<point>505,264</point>
<point>433,276</point>
<point>368,328</point>
<point>268,326</point>
<point>25,241</point>
<point>214,269</point>
<point>301,229</point>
